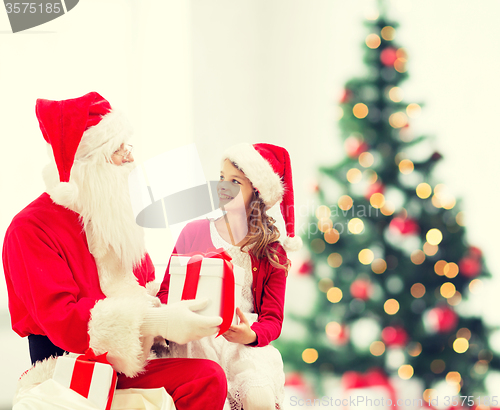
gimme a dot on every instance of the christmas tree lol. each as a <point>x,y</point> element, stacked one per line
<point>390,257</point>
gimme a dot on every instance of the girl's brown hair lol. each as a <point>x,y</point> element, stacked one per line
<point>262,232</point>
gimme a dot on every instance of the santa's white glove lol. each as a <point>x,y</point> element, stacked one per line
<point>178,321</point>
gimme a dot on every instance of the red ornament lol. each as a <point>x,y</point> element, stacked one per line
<point>475,252</point>
<point>436,156</point>
<point>376,188</point>
<point>374,377</point>
<point>441,319</point>
<point>361,289</point>
<point>469,266</point>
<point>346,96</point>
<point>337,334</point>
<point>294,379</point>
<point>297,384</point>
<point>404,226</point>
<point>355,147</point>
<point>306,268</point>
<point>388,56</point>
<point>394,336</point>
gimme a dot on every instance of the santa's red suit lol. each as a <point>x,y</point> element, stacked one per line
<point>75,287</point>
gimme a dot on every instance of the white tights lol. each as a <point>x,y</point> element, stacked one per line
<point>259,398</point>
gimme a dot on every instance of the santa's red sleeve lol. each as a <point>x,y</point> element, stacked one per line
<point>50,294</point>
<point>41,282</point>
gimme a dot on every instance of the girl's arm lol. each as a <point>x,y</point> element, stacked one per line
<point>268,326</point>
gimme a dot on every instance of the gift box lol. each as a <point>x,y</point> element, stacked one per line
<point>211,276</point>
<point>89,375</point>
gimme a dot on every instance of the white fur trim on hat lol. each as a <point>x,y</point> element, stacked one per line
<point>105,137</point>
<point>115,328</point>
<point>258,171</point>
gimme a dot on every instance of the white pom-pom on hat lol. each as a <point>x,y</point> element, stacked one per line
<point>65,194</point>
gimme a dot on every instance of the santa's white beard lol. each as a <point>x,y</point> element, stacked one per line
<point>105,208</point>
<point>106,211</point>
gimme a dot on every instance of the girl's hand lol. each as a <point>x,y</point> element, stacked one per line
<point>240,333</point>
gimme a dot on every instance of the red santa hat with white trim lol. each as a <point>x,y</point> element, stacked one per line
<point>80,128</point>
<point>269,170</point>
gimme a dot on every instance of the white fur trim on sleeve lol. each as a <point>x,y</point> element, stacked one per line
<point>258,171</point>
<point>153,288</point>
<point>115,328</point>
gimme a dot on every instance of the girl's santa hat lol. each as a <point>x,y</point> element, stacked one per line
<point>269,170</point>
<point>76,129</point>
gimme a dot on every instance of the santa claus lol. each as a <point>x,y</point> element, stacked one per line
<point>77,272</point>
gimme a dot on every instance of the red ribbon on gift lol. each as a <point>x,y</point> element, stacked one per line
<point>193,276</point>
<point>372,378</point>
<point>82,374</point>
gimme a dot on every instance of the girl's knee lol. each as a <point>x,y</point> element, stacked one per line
<point>259,398</point>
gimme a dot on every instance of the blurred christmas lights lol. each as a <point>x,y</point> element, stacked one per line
<point>413,110</point>
<point>405,371</point>
<point>366,256</point>
<point>406,166</point>
<point>334,295</point>
<point>417,257</point>
<point>325,284</point>
<point>310,355</point>
<point>360,110</point>
<point>331,236</point>
<point>345,202</point>
<point>366,159</point>
<point>334,260</point>
<point>461,345</point>
<point>388,33</point>
<point>438,366</point>
<point>323,212</point>
<point>434,236</point>
<point>372,41</point>
<point>354,175</point>
<point>430,250</point>
<point>356,226</point>
<point>377,348</point>
<point>396,94</point>
<point>417,290</point>
<point>379,266</point>
<point>391,306</point>
<point>398,119</point>
<point>424,190</point>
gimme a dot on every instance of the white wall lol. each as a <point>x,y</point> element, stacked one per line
<point>220,72</point>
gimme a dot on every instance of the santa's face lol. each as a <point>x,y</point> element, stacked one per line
<point>104,204</point>
<point>122,155</point>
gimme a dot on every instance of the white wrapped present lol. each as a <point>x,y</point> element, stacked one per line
<point>88,375</point>
<point>211,276</point>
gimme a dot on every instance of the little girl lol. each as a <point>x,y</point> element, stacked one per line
<point>253,178</point>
